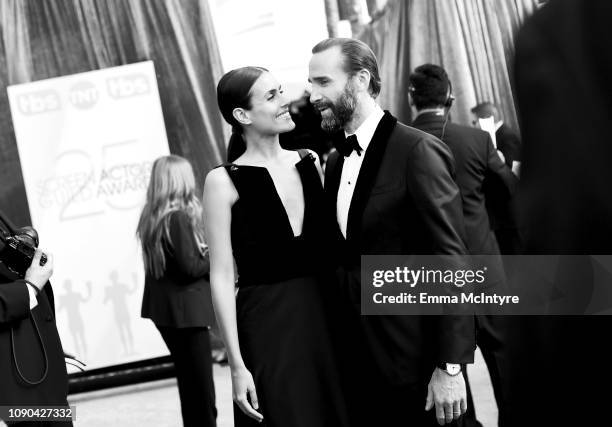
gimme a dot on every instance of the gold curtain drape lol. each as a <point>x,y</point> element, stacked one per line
<point>50,38</point>
<point>471,39</point>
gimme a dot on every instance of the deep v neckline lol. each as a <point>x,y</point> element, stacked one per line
<point>280,200</point>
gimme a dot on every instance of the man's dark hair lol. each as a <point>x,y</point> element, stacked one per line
<point>429,86</point>
<point>357,56</point>
<point>485,109</point>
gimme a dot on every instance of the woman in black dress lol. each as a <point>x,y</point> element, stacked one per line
<point>264,210</point>
<point>177,293</point>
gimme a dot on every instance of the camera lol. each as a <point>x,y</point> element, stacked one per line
<point>17,247</point>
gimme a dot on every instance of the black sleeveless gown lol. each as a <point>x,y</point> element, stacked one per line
<point>281,303</point>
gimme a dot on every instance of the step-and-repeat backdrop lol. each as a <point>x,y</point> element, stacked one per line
<point>86,145</point>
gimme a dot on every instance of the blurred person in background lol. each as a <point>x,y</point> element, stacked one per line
<point>507,140</point>
<point>177,292</point>
<point>476,159</point>
<point>263,210</point>
<point>563,80</point>
<point>502,210</point>
<point>307,132</point>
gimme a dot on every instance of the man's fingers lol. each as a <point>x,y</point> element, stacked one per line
<point>253,397</point>
<point>37,255</point>
<point>440,413</point>
<point>456,410</point>
<point>429,400</point>
<point>463,405</point>
<point>448,412</point>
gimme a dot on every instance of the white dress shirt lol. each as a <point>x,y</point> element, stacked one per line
<point>352,166</point>
<point>32,291</point>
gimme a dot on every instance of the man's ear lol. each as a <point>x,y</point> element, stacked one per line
<point>362,79</point>
<point>242,116</point>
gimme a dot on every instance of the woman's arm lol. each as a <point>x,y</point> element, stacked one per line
<point>219,196</point>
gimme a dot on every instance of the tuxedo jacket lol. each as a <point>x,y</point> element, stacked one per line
<point>476,161</point>
<point>509,143</point>
<point>27,347</point>
<point>405,202</point>
<point>181,297</point>
<point>503,210</point>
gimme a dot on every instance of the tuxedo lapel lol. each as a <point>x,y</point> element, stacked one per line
<point>367,174</point>
<point>332,182</point>
<point>333,173</point>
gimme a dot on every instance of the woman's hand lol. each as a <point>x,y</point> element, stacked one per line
<point>243,385</point>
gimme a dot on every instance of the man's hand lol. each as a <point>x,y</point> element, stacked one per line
<point>449,395</point>
<point>38,274</point>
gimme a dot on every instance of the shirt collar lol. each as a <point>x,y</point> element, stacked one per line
<point>436,111</point>
<point>365,132</point>
<point>498,124</point>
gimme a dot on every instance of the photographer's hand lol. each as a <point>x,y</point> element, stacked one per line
<point>38,274</point>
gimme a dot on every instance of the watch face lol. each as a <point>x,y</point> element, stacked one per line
<point>453,368</point>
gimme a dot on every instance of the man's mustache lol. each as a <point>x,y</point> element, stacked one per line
<point>320,106</point>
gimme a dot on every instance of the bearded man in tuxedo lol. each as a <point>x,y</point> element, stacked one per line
<point>391,190</point>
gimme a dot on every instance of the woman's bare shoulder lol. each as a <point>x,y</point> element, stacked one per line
<point>217,176</point>
<point>219,185</point>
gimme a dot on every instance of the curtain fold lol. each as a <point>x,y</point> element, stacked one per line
<point>51,38</point>
<point>388,38</point>
<point>471,39</point>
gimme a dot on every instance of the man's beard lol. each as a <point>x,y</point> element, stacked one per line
<point>340,112</point>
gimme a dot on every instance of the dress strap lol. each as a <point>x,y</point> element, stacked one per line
<point>231,170</point>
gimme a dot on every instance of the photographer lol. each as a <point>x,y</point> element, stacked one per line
<point>32,368</point>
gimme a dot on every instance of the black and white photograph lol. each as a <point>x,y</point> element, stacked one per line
<point>305,213</point>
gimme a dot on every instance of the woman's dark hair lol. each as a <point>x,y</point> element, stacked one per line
<point>234,91</point>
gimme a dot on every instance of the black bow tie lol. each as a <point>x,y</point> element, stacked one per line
<point>346,146</point>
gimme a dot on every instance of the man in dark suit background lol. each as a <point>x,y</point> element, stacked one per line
<point>502,211</point>
<point>391,190</point>
<point>563,77</point>
<point>507,140</point>
<point>479,167</point>
<point>32,367</point>
<point>476,159</point>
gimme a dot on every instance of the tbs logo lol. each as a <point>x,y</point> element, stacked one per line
<point>38,102</point>
<point>127,86</point>
<point>83,95</point>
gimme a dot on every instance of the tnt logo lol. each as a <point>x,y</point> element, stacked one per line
<point>38,102</point>
<point>83,95</point>
<point>127,86</point>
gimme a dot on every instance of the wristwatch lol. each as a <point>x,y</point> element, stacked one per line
<point>451,369</point>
